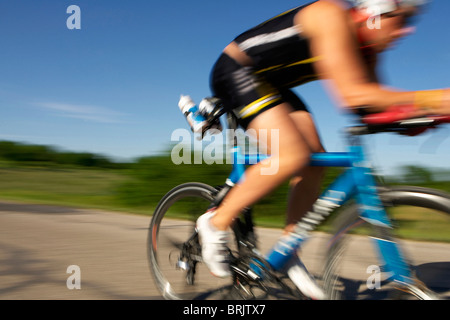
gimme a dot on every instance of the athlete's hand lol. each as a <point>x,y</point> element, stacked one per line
<point>442,103</point>
<point>446,102</point>
<point>392,114</point>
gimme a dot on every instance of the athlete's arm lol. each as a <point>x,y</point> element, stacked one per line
<point>332,39</point>
<point>372,64</point>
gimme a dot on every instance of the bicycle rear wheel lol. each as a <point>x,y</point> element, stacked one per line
<point>173,247</point>
<point>421,219</point>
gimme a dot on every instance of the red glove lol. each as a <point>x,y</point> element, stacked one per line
<point>393,114</point>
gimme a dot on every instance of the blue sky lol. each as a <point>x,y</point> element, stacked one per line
<point>112,87</point>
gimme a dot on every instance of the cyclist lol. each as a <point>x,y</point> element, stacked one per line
<point>327,40</point>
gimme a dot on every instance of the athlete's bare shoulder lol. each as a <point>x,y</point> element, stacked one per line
<point>323,13</point>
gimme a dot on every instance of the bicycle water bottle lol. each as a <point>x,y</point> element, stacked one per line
<point>193,115</point>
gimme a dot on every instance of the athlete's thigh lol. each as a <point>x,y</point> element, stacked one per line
<point>303,120</point>
<point>276,129</point>
<point>307,128</point>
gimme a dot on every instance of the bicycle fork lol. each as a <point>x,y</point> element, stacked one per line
<point>356,182</point>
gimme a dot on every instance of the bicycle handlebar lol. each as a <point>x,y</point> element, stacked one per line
<point>398,119</point>
<point>401,113</point>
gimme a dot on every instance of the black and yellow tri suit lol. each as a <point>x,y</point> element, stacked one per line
<point>281,60</point>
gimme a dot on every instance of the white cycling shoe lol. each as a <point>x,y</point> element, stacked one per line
<point>304,281</point>
<point>215,256</point>
<point>214,246</point>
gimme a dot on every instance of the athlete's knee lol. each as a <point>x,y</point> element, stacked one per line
<point>295,161</point>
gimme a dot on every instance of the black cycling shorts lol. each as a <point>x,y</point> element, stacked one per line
<point>246,93</point>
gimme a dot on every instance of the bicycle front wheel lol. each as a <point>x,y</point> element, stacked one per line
<point>421,227</point>
<point>173,247</point>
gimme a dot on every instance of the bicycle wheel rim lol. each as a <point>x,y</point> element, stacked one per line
<point>353,269</point>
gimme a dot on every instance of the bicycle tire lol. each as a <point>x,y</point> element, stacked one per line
<point>342,279</point>
<point>174,282</point>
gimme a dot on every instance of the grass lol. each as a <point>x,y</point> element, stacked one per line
<point>70,186</point>
<point>421,224</point>
<point>98,188</point>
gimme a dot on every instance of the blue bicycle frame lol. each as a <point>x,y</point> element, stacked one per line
<point>356,182</point>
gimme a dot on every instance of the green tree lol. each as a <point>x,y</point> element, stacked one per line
<point>416,174</point>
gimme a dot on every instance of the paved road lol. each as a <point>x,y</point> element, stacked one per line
<point>38,243</point>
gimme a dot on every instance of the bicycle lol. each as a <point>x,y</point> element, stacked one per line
<point>175,258</point>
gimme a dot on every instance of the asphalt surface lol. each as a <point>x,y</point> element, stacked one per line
<point>49,252</point>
